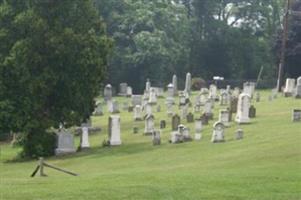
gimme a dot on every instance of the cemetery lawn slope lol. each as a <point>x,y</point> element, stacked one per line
<point>265,165</point>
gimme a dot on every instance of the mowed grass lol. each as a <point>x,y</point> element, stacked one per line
<point>265,165</point>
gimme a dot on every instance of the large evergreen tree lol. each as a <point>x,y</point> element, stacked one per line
<point>53,55</point>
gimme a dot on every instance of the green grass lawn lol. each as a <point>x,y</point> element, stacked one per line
<point>265,165</point>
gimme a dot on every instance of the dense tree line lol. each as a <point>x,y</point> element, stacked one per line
<point>154,39</point>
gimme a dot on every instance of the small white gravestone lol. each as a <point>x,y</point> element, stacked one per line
<point>182,99</point>
<point>85,138</point>
<point>198,129</point>
<point>108,92</point>
<point>149,125</point>
<point>148,109</point>
<point>137,113</point>
<point>289,87</point>
<point>169,109</point>
<point>175,85</point>
<point>115,107</point>
<point>136,100</point>
<point>176,137</point>
<point>213,92</point>
<point>224,117</point>
<point>243,106</point>
<point>170,94</point>
<point>114,130</point>
<point>218,132</point>
<point>296,116</point>
<point>147,86</point>
<point>129,91</point>
<point>65,143</point>
<point>208,109</point>
<point>249,88</point>
<point>123,89</point>
<point>204,95</point>
<point>224,98</point>
<point>152,97</point>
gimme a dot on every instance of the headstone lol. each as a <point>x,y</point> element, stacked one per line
<point>65,143</point>
<point>123,89</point>
<point>188,84</point>
<point>239,134</point>
<point>289,87</point>
<point>175,122</point>
<point>298,88</point>
<point>208,109</point>
<point>115,108</point>
<point>203,97</point>
<point>236,92</point>
<point>148,109</point>
<point>156,136</point>
<point>147,86</point>
<point>108,92</point>
<point>224,117</point>
<point>130,108</point>
<point>252,112</point>
<point>169,109</point>
<point>218,132</point>
<point>85,138</point>
<point>152,97</point>
<point>98,110</point>
<point>296,116</point>
<point>224,98</point>
<point>257,97</point>
<point>184,111</point>
<point>205,119</point>
<point>170,94</point>
<point>162,124</point>
<point>149,125</point>
<point>175,85</point>
<point>125,106</point>
<point>186,135</point>
<point>198,129</point>
<point>176,137</point>
<point>135,130</point>
<point>249,88</point>
<point>110,106</point>
<point>243,106</point>
<point>114,130</point>
<point>129,91</point>
<point>182,99</point>
<point>137,113</point>
<point>190,118</point>
<point>213,92</point>
<point>136,100</point>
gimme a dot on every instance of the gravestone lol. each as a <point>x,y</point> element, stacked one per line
<point>136,100</point>
<point>208,109</point>
<point>175,122</point>
<point>182,99</point>
<point>123,89</point>
<point>257,97</point>
<point>249,88</point>
<point>137,113</point>
<point>289,87</point>
<point>176,137</point>
<point>296,116</point>
<point>203,97</point>
<point>147,86</point>
<point>298,88</point>
<point>186,135</point>
<point>115,107</point>
<point>156,137</point>
<point>252,112</point>
<point>243,106</point>
<point>169,109</point>
<point>149,125</point>
<point>213,92</point>
<point>184,111</point>
<point>236,92</point>
<point>239,134</point>
<point>224,117</point>
<point>129,91</point>
<point>108,92</point>
<point>198,129</point>
<point>148,109</point>
<point>188,84</point>
<point>224,98</point>
<point>175,85</point>
<point>170,94</point>
<point>205,119</point>
<point>152,97</point>
<point>218,132</point>
<point>162,124</point>
<point>85,138</point>
<point>130,108</point>
<point>135,130</point>
<point>158,108</point>
<point>190,118</point>
<point>65,143</point>
<point>98,110</point>
<point>114,130</point>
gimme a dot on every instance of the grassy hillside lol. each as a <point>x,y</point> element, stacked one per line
<point>265,165</point>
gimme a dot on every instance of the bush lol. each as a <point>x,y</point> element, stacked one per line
<point>37,144</point>
<point>197,83</point>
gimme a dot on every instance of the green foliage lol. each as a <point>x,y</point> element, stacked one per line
<point>53,56</point>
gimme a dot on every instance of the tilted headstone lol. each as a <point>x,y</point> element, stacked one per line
<point>114,130</point>
<point>224,117</point>
<point>149,125</point>
<point>296,116</point>
<point>190,118</point>
<point>175,122</point>
<point>239,134</point>
<point>156,137</point>
<point>188,84</point>
<point>218,132</point>
<point>244,103</point>
<point>108,92</point>
<point>252,112</point>
<point>65,143</point>
<point>289,87</point>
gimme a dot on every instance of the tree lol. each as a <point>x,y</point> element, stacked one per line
<point>53,56</point>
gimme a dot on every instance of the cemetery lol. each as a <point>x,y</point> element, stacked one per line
<point>150,100</point>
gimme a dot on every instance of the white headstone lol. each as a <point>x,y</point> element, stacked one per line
<point>137,113</point>
<point>65,143</point>
<point>188,84</point>
<point>243,106</point>
<point>224,117</point>
<point>108,92</point>
<point>85,137</point>
<point>289,87</point>
<point>175,85</point>
<point>114,130</point>
<point>152,97</point>
<point>218,132</point>
<point>149,125</point>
